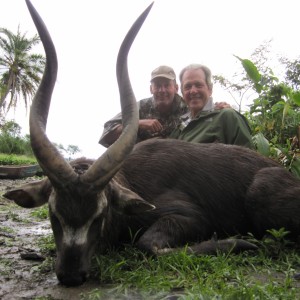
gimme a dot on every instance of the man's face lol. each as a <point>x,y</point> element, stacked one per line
<point>163,91</point>
<point>195,90</point>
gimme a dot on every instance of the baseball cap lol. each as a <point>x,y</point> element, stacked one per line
<point>163,71</point>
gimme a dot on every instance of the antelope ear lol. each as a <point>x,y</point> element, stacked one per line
<point>127,201</point>
<point>32,194</point>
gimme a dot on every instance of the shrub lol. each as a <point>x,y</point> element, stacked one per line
<point>12,159</point>
<point>11,141</point>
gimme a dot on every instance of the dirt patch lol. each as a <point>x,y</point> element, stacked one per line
<point>24,272</point>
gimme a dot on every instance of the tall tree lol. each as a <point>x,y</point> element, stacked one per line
<point>20,70</point>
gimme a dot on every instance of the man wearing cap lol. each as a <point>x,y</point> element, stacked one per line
<point>159,114</point>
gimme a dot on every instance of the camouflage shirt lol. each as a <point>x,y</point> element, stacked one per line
<point>147,110</point>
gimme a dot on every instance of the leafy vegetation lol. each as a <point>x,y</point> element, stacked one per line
<point>21,70</point>
<point>15,149</point>
<point>41,212</point>
<point>13,159</point>
<point>11,141</point>
<point>275,116</point>
<point>274,111</point>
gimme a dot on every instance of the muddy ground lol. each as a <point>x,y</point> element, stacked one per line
<point>24,272</point>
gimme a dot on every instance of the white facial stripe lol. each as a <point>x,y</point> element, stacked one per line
<point>103,227</point>
<point>78,236</point>
<point>75,237</point>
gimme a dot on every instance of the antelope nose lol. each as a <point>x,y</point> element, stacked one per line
<point>72,279</point>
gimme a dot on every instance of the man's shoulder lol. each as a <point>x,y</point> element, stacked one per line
<point>146,100</point>
<point>228,112</point>
<point>145,104</point>
<point>224,115</point>
<point>237,117</point>
<point>232,112</point>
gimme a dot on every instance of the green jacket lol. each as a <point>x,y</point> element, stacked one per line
<point>223,126</point>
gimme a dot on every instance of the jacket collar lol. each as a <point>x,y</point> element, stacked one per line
<point>209,106</point>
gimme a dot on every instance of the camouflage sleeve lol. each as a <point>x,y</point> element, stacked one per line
<point>110,126</point>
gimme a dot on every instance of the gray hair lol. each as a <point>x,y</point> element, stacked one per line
<point>206,70</point>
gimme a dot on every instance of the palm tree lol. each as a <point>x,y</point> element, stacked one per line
<point>20,71</point>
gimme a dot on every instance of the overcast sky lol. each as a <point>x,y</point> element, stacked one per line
<point>87,35</point>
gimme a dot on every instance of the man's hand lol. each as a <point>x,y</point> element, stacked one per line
<point>221,105</point>
<point>151,125</point>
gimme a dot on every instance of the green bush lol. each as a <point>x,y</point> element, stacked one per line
<point>274,117</point>
<point>13,159</point>
<point>11,141</point>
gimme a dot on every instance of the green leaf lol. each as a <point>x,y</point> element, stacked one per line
<point>262,144</point>
<point>286,109</point>
<point>295,167</point>
<point>258,87</point>
<point>296,97</point>
<point>251,69</point>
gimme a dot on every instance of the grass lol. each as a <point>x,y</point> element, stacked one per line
<point>272,272</point>
<point>242,276</point>
<point>47,245</point>
<point>5,229</point>
<point>249,275</point>
<point>41,213</point>
<point>14,159</point>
